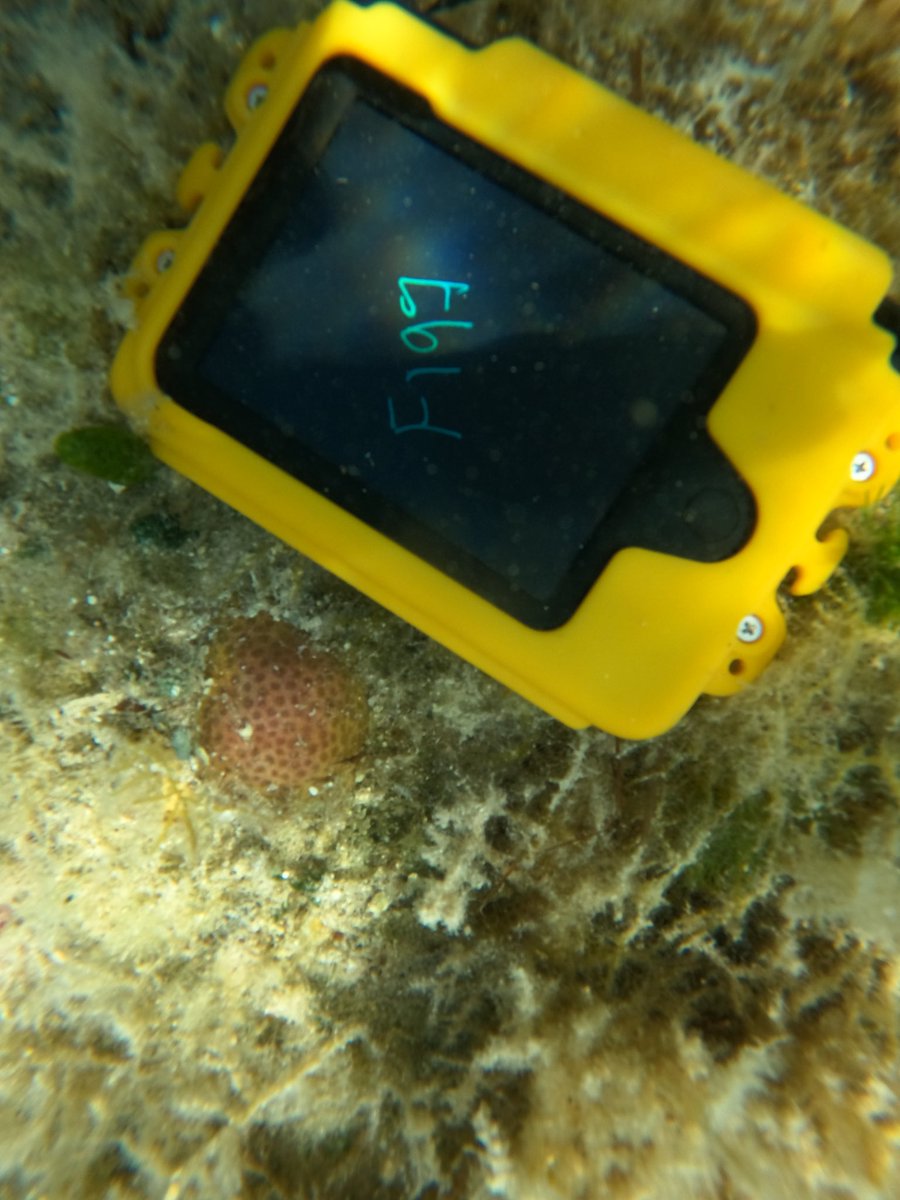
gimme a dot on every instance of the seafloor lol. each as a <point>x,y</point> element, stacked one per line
<point>497,957</point>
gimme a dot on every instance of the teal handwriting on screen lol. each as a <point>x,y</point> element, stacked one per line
<point>424,338</point>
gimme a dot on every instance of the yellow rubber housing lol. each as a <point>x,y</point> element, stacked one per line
<point>815,391</point>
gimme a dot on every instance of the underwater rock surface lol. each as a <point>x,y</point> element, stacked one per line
<point>496,957</point>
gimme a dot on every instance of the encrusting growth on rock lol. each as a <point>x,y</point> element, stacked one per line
<point>279,713</point>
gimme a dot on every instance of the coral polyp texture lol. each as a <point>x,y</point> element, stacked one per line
<point>279,712</point>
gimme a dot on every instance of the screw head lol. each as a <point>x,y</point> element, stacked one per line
<point>750,628</point>
<point>164,260</point>
<point>863,467</point>
<point>257,95</point>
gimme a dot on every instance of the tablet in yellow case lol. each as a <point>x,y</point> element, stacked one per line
<point>563,389</point>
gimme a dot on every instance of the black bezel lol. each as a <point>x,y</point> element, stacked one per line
<point>686,499</point>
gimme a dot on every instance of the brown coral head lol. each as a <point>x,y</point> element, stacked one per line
<point>279,713</point>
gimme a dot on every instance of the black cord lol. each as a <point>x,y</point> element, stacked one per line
<point>424,8</point>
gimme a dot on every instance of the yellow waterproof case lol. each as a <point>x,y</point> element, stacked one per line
<point>527,366</point>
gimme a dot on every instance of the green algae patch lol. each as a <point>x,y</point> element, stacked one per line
<point>159,531</point>
<point>109,452</point>
<point>873,564</point>
<point>730,859</point>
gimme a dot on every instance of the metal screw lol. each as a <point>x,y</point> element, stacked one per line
<point>863,467</point>
<point>165,259</point>
<point>257,95</point>
<point>750,629</point>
